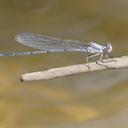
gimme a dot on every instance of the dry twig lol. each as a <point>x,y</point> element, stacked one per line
<point>112,63</point>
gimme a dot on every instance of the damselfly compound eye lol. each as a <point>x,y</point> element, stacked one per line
<point>109,47</point>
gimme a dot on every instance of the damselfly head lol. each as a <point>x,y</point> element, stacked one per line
<point>109,47</point>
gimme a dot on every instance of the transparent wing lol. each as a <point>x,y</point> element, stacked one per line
<point>47,43</point>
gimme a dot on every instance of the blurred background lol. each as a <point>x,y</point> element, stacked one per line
<point>87,100</point>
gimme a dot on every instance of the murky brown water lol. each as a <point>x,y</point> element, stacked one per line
<point>95,100</point>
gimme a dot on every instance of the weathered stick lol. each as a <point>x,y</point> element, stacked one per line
<point>111,63</point>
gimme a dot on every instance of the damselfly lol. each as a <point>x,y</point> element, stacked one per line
<point>47,44</point>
